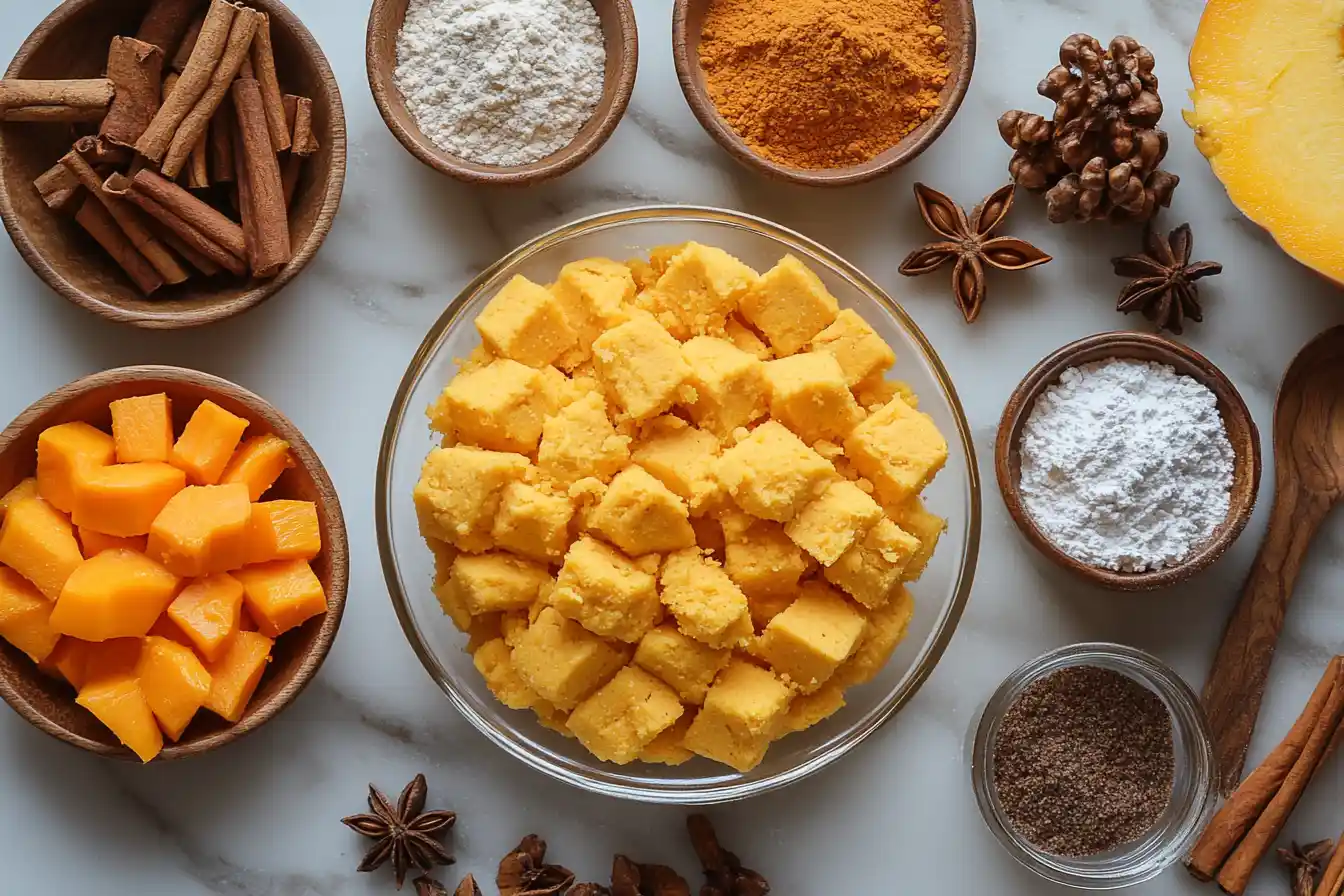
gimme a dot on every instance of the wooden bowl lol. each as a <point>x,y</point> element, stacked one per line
<point>72,43</point>
<point>622,46</point>
<point>1241,432</point>
<point>50,704</point>
<point>688,17</point>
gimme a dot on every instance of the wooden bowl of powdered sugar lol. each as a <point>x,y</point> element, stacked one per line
<point>1129,460</point>
<point>502,91</point>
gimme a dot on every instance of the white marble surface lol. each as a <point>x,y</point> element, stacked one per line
<point>897,816</point>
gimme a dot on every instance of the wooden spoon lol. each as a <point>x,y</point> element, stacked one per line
<point>1309,481</point>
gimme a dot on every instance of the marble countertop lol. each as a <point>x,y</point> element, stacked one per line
<point>897,816</point>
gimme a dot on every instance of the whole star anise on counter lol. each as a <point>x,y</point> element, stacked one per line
<point>971,242</point>
<point>631,879</point>
<point>724,874</point>
<point>524,872</point>
<point>406,834</point>
<point>1163,279</point>
<point>1305,863</point>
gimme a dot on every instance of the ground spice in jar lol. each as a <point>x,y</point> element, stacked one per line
<point>1084,761</point>
<point>824,83</point>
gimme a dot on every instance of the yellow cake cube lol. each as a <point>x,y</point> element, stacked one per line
<point>886,629</point>
<point>606,592</point>
<point>742,713</point>
<point>532,523</point>
<point>681,456</point>
<point>564,662</point>
<point>899,449</point>
<point>595,295</point>
<point>640,366</point>
<point>580,443</point>
<point>871,570</point>
<point>790,305</point>
<point>699,289</point>
<point>526,323</point>
<point>808,394</point>
<point>706,602</point>
<point>494,661</point>
<point>687,665</point>
<point>772,474</point>
<point>641,516</point>
<point>625,715</point>
<point>912,516</point>
<point>459,493</point>
<point>761,558</point>
<point>745,338</point>
<point>730,387</point>
<point>856,346</point>
<point>669,748</point>
<point>830,525</point>
<point>500,407</point>
<point>807,642</point>
<point>497,582</point>
<point>811,709</point>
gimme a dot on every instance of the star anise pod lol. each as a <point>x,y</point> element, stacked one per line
<point>406,834</point>
<point>1163,279</point>
<point>524,872</point>
<point>971,242</point>
<point>1304,864</point>
<point>428,886</point>
<point>468,887</point>
<point>724,874</point>
<point>631,879</point>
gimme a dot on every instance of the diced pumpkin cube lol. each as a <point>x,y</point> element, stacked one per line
<point>67,660</point>
<point>209,613</point>
<point>281,595</point>
<point>117,594</point>
<point>38,542</point>
<point>25,616</point>
<point>94,543</point>
<point>27,488</point>
<point>165,627</point>
<point>207,442</point>
<point>142,428</point>
<point>202,529</point>
<point>235,675</point>
<point>124,499</point>
<point>119,704</point>
<point>63,449</point>
<point>258,462</point>
<point>174,682</point>
<point>283,530</point>
<point>109,659</point>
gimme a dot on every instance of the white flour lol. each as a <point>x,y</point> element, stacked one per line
<point>501,82</point>
<point>1126,464</point>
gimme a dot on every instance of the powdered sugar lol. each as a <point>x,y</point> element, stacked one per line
<point>501,82</point>
<point>1126,465</point>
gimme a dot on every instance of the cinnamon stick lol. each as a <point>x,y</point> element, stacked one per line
<point>1236,871</point>
<point>265,191</point>
<point>74,99</point>
<point>191,235</point>
<point>263,66</point>
<point>198,172</point>
<point>187,45</point>
<point>131,222</point>
<point>193,83</point>
<point>1240,812</point>
<point>192,128</point>
<point>59,187</point>
<point>135,69</point>
<point>104,152</point>
<point>209,222</point>
<point>304,141</point>
<point>1332,879</point>
<point>170,239</point>
<point>221,144</point>
<point>95,219</point>
<point>166,24</point>
<point>242,195</point>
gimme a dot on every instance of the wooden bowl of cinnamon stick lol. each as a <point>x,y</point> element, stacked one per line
<point>170,163</point>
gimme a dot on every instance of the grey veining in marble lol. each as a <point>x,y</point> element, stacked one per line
<point>895,817</point>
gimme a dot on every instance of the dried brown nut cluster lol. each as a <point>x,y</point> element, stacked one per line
<point>1098,156</point>
<point>524,872</point>
<point>724,874</point>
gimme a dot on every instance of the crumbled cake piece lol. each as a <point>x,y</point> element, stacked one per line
<point>808,394</point>
<point>807,642</point>
<point>641,516</point>
<point>697,291</point>
<point>606,592</point>
<point>856,346</point>
<point>681,457</point>
<point>525,322</point>
<point>689,666</point>
<point>870,571</point>
<point>459,493</point>
<point>499,407</point>
<point>707,604</point>
<point>912,516</point>
<point>494,661</point>
<point>898,449</point>
<point>741,715</point>
<point>729,386</point>
<point>580,442</point>
<point>790,305</point>
<point>887,626</point>
<point>772,474</point>
<point>829,525</point>
<point>640,365</point>
<point>564,662</point>
<point>594,295</point>
<point>532,523</point>
<point>625,715</point>
<point>496,582</point>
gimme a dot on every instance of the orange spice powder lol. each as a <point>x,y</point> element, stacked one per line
<point>824,83</point>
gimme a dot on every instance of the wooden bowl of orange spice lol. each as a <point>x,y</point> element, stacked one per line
<point>168,163</point>
<point>824,92</point>
<point>173,563</point>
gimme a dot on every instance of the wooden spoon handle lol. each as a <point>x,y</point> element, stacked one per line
<point>1236,682</point>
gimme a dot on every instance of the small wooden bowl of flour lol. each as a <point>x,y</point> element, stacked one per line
<point>1129,485</point>
<point>452,91</point>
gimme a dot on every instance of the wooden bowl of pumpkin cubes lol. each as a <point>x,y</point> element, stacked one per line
<point>173,563</point>
<point>676,503</point>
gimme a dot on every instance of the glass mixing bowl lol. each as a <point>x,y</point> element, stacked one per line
<point>940,595</point>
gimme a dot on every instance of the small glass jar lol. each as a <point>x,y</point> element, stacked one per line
<point>1193,790</point>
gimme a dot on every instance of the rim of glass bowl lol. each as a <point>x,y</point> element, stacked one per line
<point>718,791</point>
<point>1173,835</point>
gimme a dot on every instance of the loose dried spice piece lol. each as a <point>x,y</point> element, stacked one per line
<point>468,887</point>
<point>971,242</point>
<point>1099,155</point>
<point>1163,284</point>
<point>524,872</point>
<point>406,835</point>
<point>631,879</point>
<point>590,890</point>
<point>724,874</point>
<point>1304,864</point>
<point>428,886</point>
